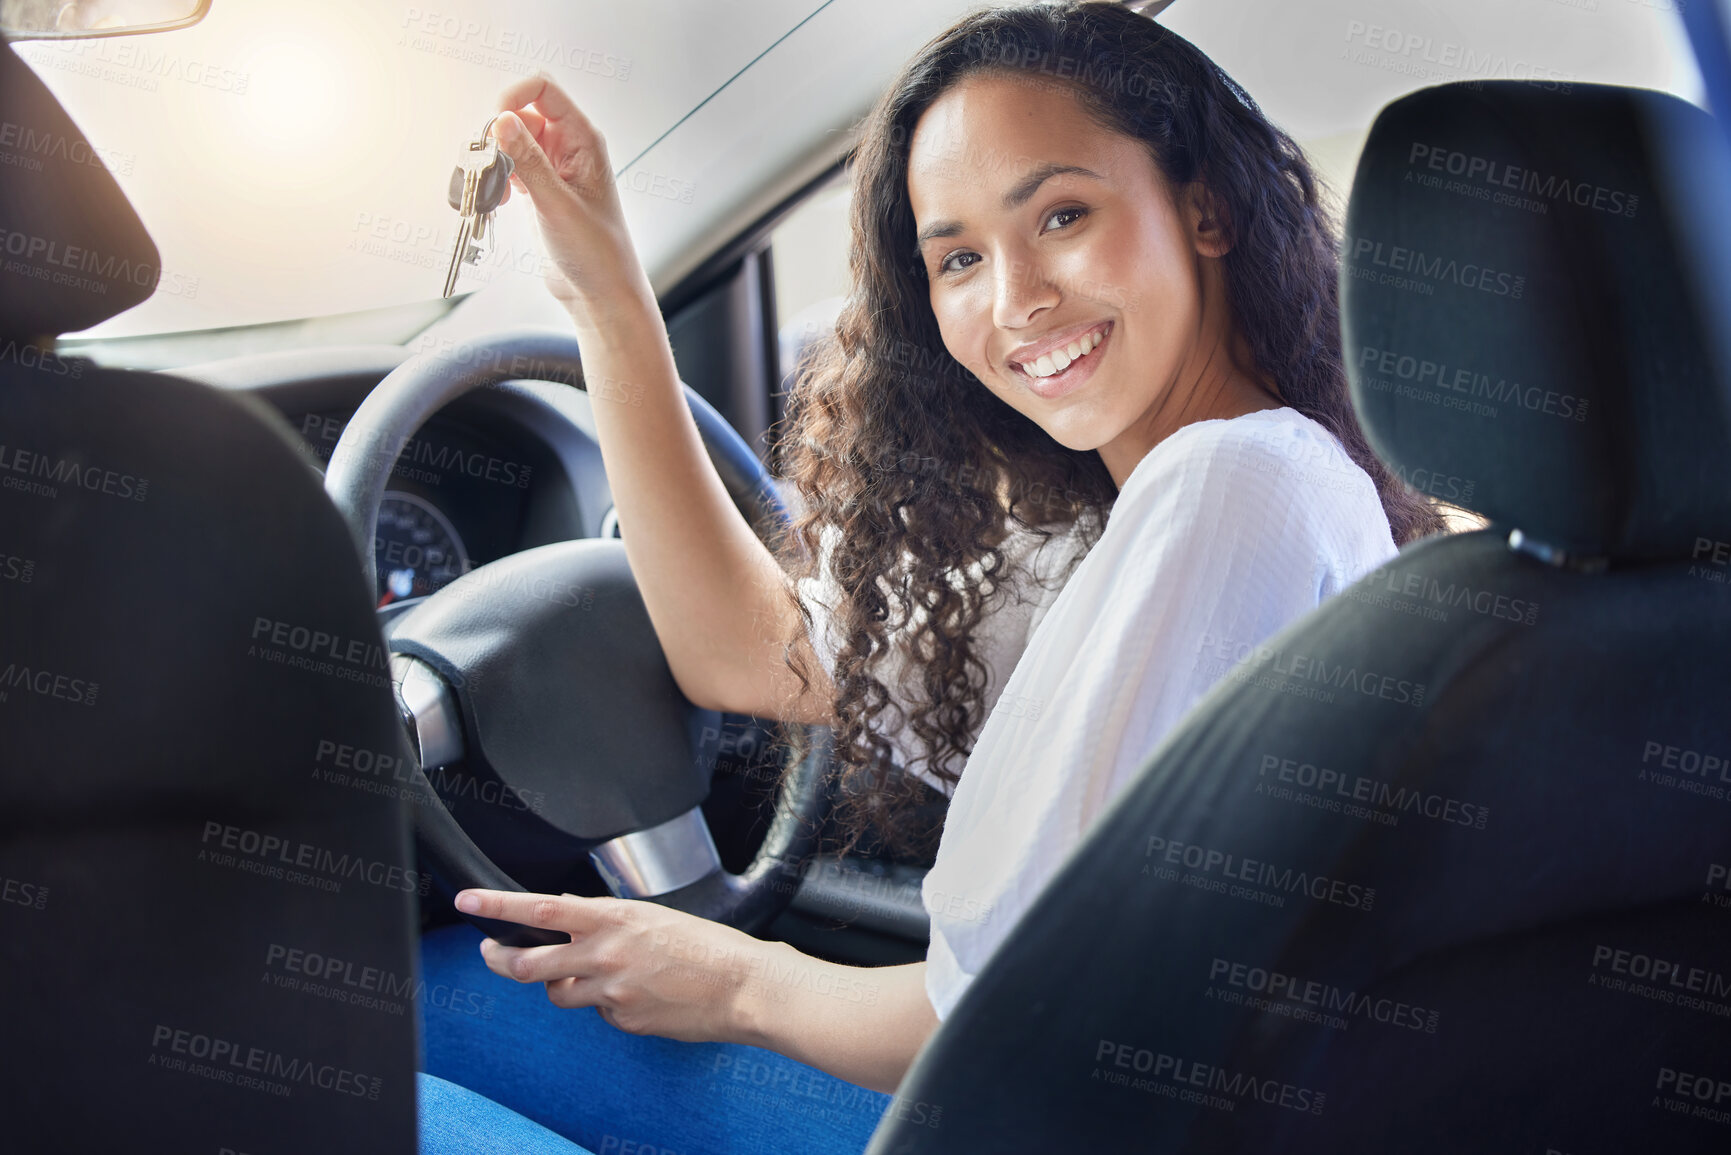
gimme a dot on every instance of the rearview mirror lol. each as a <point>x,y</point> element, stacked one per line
<point>85,19</point>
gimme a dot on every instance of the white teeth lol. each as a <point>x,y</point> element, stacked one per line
<point>1061,359</point>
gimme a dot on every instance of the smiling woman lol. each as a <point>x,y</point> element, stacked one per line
<point>1089,280</point>
<point>1056,228</point>
<point>1042,177</point>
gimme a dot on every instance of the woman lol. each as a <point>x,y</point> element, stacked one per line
<point>1089,278</point>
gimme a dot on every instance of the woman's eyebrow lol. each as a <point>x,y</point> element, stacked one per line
<point>1014,199</point>
<point>935,230</point>
<point>1028,185</point>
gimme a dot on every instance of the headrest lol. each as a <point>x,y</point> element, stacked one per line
<point>1533,283</point>
<point>72,251</point>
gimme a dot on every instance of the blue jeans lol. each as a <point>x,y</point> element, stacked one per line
<point>527,1073</point>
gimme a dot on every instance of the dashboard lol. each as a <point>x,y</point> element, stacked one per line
<point>457,499</point>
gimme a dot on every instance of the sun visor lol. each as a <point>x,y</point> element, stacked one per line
<point>72,250</point>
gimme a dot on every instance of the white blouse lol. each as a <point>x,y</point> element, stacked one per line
<point>1035,570</point>
<point>1222,534</point>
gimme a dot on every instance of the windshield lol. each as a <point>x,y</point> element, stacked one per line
<point>290,158</point>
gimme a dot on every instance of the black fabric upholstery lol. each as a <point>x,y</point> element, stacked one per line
<point>189,665</point>
<point>1473,812</point>
<point>1552,259</point>
<point>72,250</point>
<point>1545,729</point>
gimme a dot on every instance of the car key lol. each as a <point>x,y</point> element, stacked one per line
<point>478,184</point>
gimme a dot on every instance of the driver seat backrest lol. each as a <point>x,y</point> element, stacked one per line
<point>1442,866</point>
<point>208,887</point>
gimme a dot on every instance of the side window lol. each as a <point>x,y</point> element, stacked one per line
<point>808,260</point>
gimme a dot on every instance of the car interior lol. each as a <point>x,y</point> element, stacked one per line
<point>226,748</point>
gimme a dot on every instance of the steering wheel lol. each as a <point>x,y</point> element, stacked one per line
<point>541,676</point>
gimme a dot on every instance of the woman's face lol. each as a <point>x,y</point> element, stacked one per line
<point>1064,271</point>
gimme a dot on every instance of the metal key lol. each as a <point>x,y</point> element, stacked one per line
<point>478,184</point>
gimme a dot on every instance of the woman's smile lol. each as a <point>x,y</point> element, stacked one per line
<point>1055,366</point>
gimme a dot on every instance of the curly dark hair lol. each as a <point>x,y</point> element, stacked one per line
<point>923,470</point>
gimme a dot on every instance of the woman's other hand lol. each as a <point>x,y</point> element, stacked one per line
<point>652,970</point>
<point>562,164</point>
<point>648,969</point>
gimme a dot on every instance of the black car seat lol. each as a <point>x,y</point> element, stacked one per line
<point>206,882</point>
<point>1442,867</point>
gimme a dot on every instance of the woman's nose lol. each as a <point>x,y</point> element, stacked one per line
<point>1022,289</point>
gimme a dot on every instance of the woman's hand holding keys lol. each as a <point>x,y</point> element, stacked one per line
<point>562,165</point>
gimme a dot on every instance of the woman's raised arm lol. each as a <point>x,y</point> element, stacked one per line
<point>715,593</point>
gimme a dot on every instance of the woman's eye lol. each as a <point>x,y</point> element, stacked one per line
<point>1068,216</point>
<point>963,259</point>
<point>949,263</point>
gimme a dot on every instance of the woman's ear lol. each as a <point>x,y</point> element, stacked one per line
<point>1208,222</point>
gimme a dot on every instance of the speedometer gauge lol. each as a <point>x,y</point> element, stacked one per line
<point>416,550</point>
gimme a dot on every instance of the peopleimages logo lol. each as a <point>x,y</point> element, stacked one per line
<point>139,64</point>
<point>1704,765</point>
<point>1370,255</point>
<point>1342,787</point>
<point>498,46</point>
<point>1422,589</point>
<point>1208,861</point>
<point>1230,1086</point>
<point>319,651</point>
<point>658,185</point>
<point>303,863</point>
<point>33,145</point>
<point>21,893</point>
<point>396,776</point>
<point>326,431</point>
<point>1304,675</point>
<point>1711,1095</point>
<point>319,975</point>
<point>39,473</point>
<point>1282,994</point>
<point>48,255</point>
<point>1718,874</point>
<point>30,355</point>
<point>227,1060</point>
<point>1699,772</point>
<point>1427,58</point>
<point>356,650</point>
<point>1526,181</point>
<point>1444,485</point>
<point>21,677</point>
<point>1666,974</point>
<point>1458,381</point>
<point>1101,74</point>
